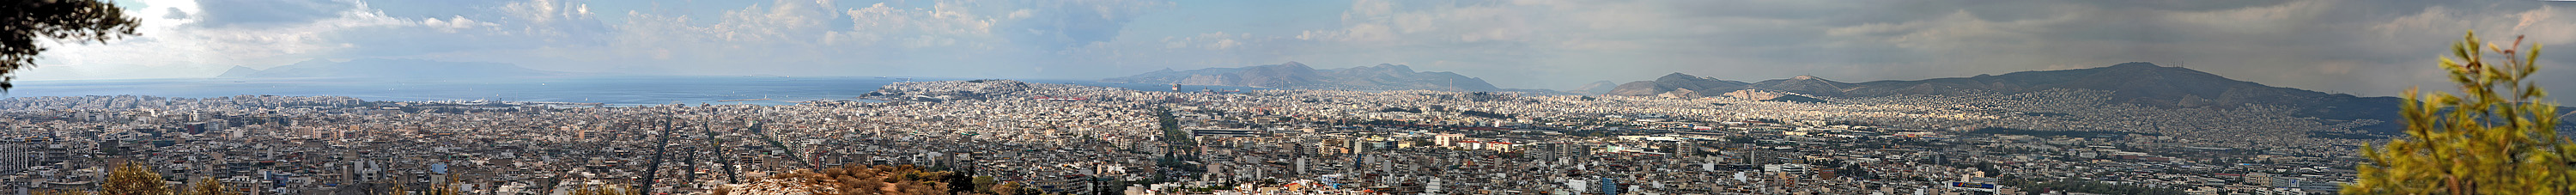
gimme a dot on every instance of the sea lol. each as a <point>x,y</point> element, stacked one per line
<point>611,90</point>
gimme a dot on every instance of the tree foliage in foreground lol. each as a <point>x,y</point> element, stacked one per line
<point>617,190</point>
<point>26,21</point>
<point>133,179</point>
<point>876,180</point>
<point>2498,139</point>
<point>208,186</point>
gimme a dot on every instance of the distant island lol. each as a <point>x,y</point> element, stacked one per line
<point>1298,76</point>
<point>386,68</point>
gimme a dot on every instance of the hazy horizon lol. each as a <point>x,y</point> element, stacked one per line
<point>2369,48</point>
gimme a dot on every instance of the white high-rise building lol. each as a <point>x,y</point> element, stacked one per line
<point>14,157</point>
<point>1301,167</point>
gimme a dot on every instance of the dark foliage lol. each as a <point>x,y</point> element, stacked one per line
<point>31,21</point>
<point>1393,109</point>
<point>2034,186</point>
<point>1795,99</point>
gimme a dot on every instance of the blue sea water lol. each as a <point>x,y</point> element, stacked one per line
<point>615,90</point>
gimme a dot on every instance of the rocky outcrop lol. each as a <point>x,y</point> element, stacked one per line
<point>940,91</point>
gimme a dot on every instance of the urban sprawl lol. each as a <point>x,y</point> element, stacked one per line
<point>1083,139</point>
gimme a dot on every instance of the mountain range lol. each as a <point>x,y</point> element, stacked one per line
<point>1596,87</point>
<point>2137,83</point>
<point>386,68</point>
<point>1298,75</point>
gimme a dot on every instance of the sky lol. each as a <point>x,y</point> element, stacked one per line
<point>2371,48</point>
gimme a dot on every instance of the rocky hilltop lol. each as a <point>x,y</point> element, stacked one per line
<point>1805,84</point>
<point>1298,75</point>
<point>1679,85</point>
<point>980,89</point>
<point>386,68</point>
<point>940,91</point>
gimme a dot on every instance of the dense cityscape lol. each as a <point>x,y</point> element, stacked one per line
<point>1070,139</point>
<point>1176,97</point>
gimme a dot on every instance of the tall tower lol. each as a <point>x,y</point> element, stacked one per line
<point>1176,87</point>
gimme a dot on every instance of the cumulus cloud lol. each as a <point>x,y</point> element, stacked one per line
<point>453,24</point>
<point>221,34</point>
<point>205,36</point>
<point>942,25</point>
<point>957,37</point>
<point>198,38</point>
<point>1056,25</point>
<point>175,13</point>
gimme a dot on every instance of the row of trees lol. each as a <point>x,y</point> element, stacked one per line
<point>135,179</point>
<point>878,180</point>
<point>2037,186</point>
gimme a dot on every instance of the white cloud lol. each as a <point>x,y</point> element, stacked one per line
<point>557,18</point>
<point>1385,22</point>
<point>915,28</point>
<point>453,24</point>
<point>2542,24</point>
<point>809,37</point>
<point>182,44</point>
<point>1207,41</point>
<point>565,35</point>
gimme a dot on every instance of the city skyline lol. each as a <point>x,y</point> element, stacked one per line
<point>1165,97</point>
<point>2369,48</point>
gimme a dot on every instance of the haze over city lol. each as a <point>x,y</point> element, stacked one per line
<point>2370,48</point>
